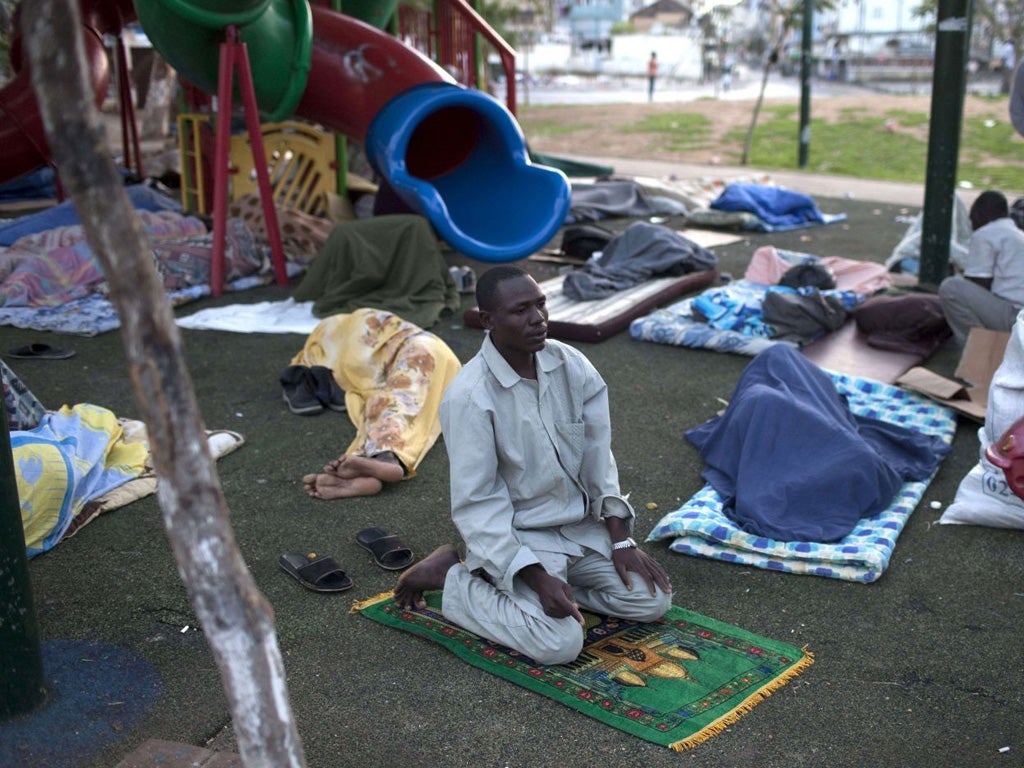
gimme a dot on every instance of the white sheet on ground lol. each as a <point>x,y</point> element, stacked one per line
<point>288,316</point>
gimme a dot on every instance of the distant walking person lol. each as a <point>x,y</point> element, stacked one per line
<point>1008,68</point>
<point>652,75</point>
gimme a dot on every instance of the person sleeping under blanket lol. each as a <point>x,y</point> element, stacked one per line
<point>62,460</point>
<point>392,263</point>
<point>791,462</point>
<point>392,375</point>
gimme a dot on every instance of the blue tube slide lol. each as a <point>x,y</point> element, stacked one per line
<point>455,155</point>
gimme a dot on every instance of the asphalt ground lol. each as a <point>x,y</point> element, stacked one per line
<point>922,667</point>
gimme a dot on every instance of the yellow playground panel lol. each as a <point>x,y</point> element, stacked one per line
<point>301,164</point>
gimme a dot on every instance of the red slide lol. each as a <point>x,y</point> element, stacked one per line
<point>23,146</point>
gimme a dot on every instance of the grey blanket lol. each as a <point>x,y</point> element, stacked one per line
<point>802,317</point>
<point>640,252</point>
<point>621,198</point>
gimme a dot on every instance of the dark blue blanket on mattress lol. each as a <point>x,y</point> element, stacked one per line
<point>791,462</point>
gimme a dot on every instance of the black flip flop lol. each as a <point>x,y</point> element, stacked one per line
<point>320,574</point>
<point>388,551</point>
<point>40,351</point>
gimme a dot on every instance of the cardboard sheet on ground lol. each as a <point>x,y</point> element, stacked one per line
<point>285,316</point>
<point>847,351</point>
<point>709,238</point>
<point>592,321</point>
<point>982,355</point>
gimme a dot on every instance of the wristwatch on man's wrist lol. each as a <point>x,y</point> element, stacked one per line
<point>624,544</point>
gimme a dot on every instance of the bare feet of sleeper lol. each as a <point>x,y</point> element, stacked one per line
<point>349,476</point>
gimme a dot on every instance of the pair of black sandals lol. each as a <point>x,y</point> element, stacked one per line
<point>323,574</point>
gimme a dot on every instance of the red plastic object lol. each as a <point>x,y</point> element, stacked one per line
<point>22,136</point>
<point>1008,454</point>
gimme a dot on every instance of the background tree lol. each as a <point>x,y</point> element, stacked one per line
<point>997,19</point>
<point>783,17</point>
<point>236,618</point>
<point>715,41</point>
<point>515,22</point>
<point>992,21</point>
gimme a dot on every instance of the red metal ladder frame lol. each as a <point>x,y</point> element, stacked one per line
<point>234,59</point>
<point>129,128</point>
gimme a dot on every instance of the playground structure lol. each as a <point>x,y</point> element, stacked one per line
<point>453,154</point>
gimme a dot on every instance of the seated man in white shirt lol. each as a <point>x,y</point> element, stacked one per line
<point>534,489</point>
<point>990,292</point>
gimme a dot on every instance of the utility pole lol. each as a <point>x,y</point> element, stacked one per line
<point>949,80</point>
<point>806,60</point>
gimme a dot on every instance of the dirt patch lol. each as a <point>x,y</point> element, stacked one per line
<point>607,130</point>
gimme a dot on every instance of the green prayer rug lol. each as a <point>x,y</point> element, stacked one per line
<point>676,682</point>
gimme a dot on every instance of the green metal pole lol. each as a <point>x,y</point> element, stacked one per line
<point>340,143</point>
<point>806,58</point>
<point>21,661</point>
<point>949,81</point>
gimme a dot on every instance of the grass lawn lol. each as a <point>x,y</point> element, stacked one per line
<point>870,137</point>
<point>893,147</point>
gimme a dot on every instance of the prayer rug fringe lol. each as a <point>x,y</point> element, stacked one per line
<point>359,605</point>
<point>719,725</point>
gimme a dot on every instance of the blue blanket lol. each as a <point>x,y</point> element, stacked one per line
<point>36,185</point>
<point>142,199</point>
<point>777,208</point>
<point>741,331</point>
<point>790,460</point>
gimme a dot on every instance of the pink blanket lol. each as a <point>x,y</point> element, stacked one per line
<point>767,267</point>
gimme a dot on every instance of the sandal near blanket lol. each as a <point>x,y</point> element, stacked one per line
<point>40,351</point>
<point>320,574</point>
<point>388,551</point>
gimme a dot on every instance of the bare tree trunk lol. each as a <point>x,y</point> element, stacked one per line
<point>237,619</point>
<point>745,157</point>
<point>776,51</point>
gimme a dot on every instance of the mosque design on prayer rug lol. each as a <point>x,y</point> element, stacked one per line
<point>676,682</point>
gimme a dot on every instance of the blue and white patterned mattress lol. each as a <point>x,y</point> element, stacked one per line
<point>678,325</point>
